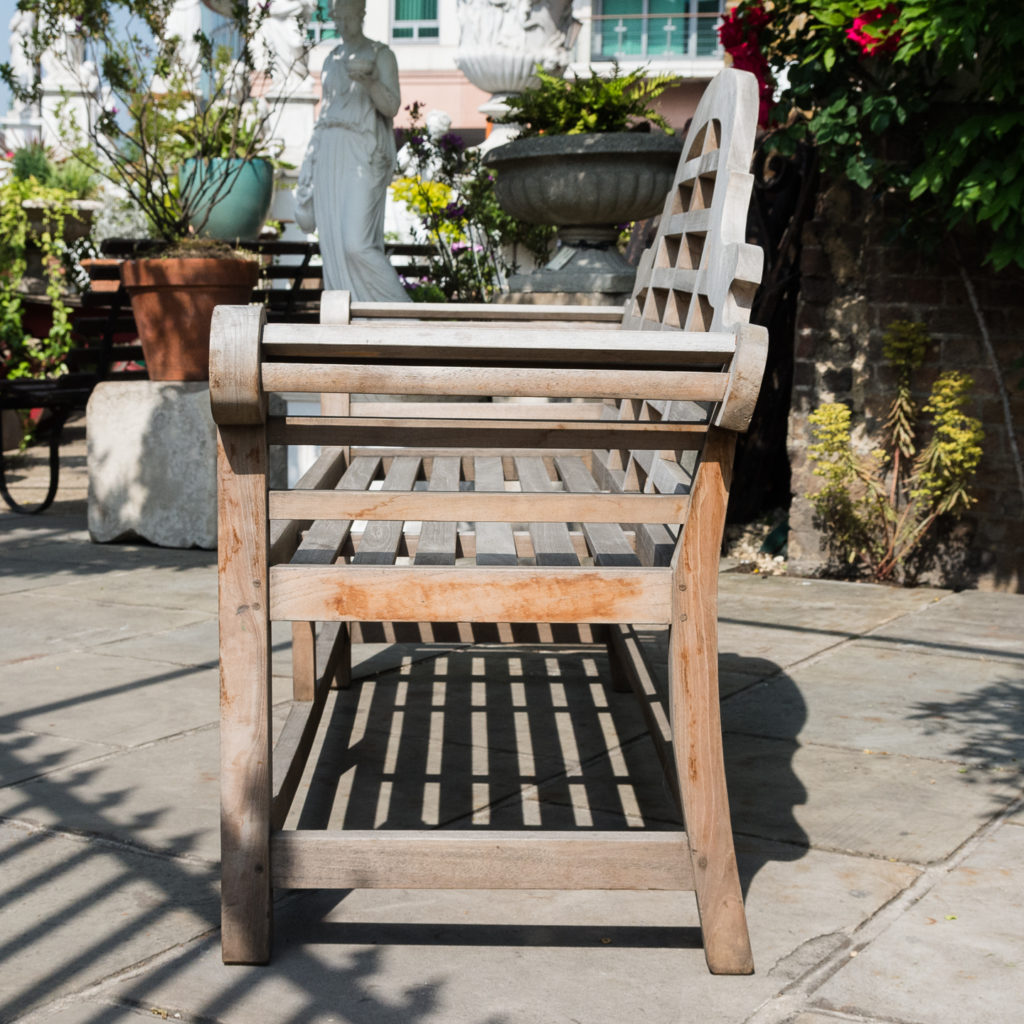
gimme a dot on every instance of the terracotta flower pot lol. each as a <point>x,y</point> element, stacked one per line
<point>173,302</point>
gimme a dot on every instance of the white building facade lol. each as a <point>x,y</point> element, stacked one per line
<point>677,36</point>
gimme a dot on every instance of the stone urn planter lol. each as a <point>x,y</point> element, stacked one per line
<point>173,302</point>
<point>76,226</point>
<point>587,185</point>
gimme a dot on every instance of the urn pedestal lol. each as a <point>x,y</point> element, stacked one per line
<point>589,186</point>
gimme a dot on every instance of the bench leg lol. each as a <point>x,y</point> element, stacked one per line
<point>245,698</point>
<point>696,718</point>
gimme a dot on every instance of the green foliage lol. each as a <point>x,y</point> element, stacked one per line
<point>20,354</point>
<point>877,508</point>
<point>69,175</point>
<point>924,98</point>
<point>600,103</point>
<point>202,105</point>
<point>452,194</point>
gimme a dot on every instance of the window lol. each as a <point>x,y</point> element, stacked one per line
<point>624,29</point>
<point>414,19</point>
<point>320,25</point>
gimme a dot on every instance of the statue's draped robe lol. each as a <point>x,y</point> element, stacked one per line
<point>353,158</point>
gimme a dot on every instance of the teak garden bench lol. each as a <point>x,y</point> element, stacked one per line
<point>624,491</point>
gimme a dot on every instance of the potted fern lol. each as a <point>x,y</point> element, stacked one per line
<point>592,154</point>
<point>167,91</point>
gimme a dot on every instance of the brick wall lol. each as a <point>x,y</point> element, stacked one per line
<point>855,281</point>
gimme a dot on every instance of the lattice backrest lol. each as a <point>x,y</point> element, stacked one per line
<point>700,274</point>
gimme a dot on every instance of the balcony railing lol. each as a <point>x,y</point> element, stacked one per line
<point>645,36</point>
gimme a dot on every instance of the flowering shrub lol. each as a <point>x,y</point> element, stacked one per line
<point>923,99</point>
<point>739,35</point>
<point>877,508</point>
<point>452,195</point>
<point>872,32</point>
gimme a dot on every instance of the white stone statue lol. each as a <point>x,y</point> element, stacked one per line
<point>21,27</point>
<point>348,166</point>
<point>184,21</point>
<point>280,45</point>
<point>63,63</point>
<point>535,31</point>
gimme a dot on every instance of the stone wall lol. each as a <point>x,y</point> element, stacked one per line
<point>855,282</point>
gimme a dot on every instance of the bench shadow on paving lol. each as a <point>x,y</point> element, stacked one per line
<point>547,744</point>
<point>533,738</point>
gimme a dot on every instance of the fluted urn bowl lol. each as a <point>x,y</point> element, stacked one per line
<point>587,185</point>
<point>500,70</point>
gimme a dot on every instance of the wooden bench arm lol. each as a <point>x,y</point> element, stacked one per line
<point>237,397</point>
<point>744,378</point>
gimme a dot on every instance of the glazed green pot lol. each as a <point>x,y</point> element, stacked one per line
<point>237,194</point>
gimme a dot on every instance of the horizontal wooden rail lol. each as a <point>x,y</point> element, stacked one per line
<point>393,859</point>
<point>496,380</point>
<point>472,434</point>
<point>479,506</point>
<point>487,311</point>
<point>459,343</point>
<point>349,593</point>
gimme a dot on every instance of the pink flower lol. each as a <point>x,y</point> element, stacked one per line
<point>879,42</point>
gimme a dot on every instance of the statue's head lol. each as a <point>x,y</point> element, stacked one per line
<point>354,10</point>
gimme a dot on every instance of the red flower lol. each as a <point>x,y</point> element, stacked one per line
<point>739,35</point>
<point>869,43</point>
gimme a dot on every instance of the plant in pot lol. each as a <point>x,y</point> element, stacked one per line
<point>46,209</point>
<point>591,155</point>
<point>174,101</point>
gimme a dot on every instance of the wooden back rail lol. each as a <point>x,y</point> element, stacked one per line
<point>602,504</point>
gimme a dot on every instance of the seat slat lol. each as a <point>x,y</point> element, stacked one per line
<point>552,544</point>
<point>607,541</point>
<point>495,542</point>
<point>438,539</point>
<point>324,539</point>
<point>381,540</point>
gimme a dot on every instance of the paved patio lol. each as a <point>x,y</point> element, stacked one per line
<point>874,740</point>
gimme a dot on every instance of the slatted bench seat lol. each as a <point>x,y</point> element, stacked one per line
<point>600,506</point>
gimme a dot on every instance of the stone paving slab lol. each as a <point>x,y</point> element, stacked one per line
<point>898,700</point>
<point>24,755</point>
<point>965,939</point>
<point>972,624</point>
<point>538,958</point>
<point>193,587</point>
<point>76,911</point>
<point>93,696</point>
<point>51,624</point>
<point>823,606</point>
<point>911,809</point>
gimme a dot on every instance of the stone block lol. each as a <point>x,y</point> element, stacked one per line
<point>152,454</point>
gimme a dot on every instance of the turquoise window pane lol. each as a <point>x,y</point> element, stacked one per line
<point>666,36</point>
<point>323,11</point>
<point>429,33</point>
<point>622,7</point>
<point>620,38</point>
<point>402,33</point>
<point>415,10</point>
<point>707,27</point>
<point>669,6</point>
